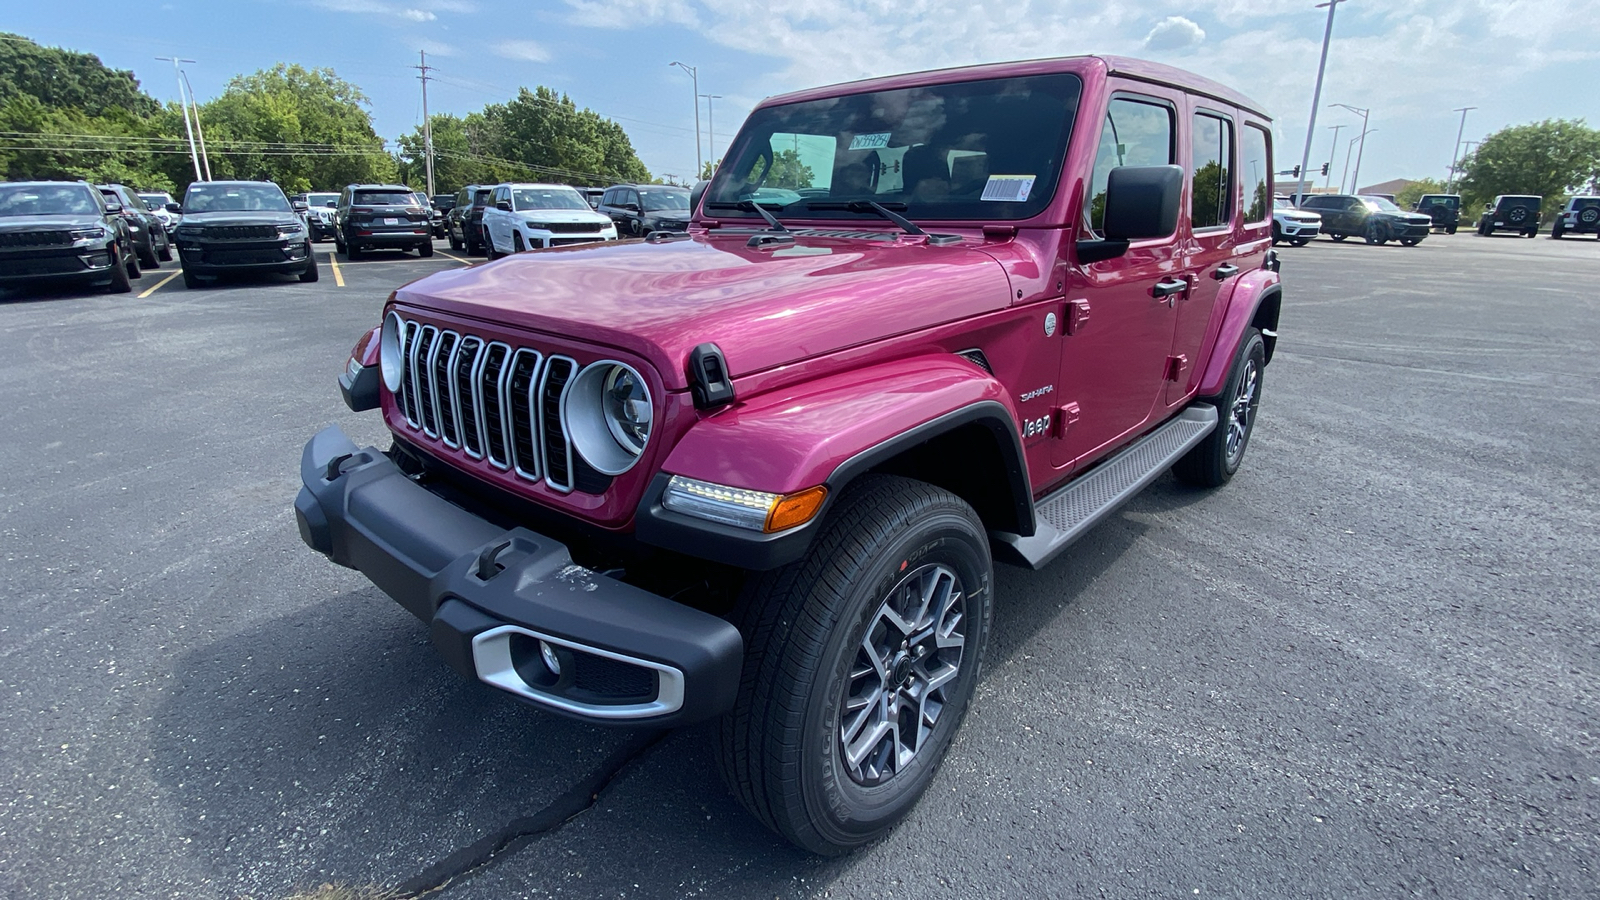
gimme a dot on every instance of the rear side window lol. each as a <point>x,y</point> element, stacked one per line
<point>1255,164</point>
<point>1211,191</point>
<point>1135,133</point>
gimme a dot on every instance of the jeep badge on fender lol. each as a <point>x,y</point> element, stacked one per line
<point>759,472</point>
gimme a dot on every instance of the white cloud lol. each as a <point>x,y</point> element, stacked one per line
<point>527,51</point>
<point>417,15</point>
<point>414,11</point>
<point>1174,33</point>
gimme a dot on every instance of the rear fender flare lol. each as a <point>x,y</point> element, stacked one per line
<point>1254,302</point>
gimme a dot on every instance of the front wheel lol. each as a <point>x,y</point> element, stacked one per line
<point>1300,241</point>
<point>120,283</point>
<point>1377,234</point>
<point>1214,460</point>
<point>147,255</point>
<point>309,274</point>
<point>1336,236</point>
<point>1410,242</point>
<point>860,660</point>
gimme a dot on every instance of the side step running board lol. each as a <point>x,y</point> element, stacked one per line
<point>1069,513</point>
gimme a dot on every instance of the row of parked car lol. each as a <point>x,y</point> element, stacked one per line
<point>1377,219</point>
<point>506,218</point>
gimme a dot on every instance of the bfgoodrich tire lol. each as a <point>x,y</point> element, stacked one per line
<point>1214,460</point>
<point>860,660</point>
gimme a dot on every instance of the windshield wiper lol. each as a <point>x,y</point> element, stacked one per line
<point>751,206</point>
<point>886,211</point>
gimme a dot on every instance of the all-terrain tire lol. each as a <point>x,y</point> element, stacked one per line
<point>1213,461</point>
<point>807,627</point>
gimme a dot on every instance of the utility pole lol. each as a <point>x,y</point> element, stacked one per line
<point>427,122</point>
<point>1455,153</point>
<point>194,154</point>
<point>1356,181</point>
<point>1316,95</point>
<point>694,73</point>
<point>1332,149</point>
<point>711,124</point>
<point>199,133</point>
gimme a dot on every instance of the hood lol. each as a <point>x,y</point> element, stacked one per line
<point>58,222</point>
<point>764,307</point>
<point>563,215</point>
<point>250,217</point>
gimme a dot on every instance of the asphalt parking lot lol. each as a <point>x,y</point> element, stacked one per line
<point>1367,667</point>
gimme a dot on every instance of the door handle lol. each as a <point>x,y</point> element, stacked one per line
<point>1163,290</point>
<point>1225,271</point>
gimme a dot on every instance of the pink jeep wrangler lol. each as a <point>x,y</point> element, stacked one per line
<point>759,471</point>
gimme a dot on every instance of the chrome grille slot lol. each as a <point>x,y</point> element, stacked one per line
<point>557,450</point>
<point>444,412</point>
<point>519,403</point>
<point>490,390</point>
<point>421,365</point>
<point>408,394</point>
<point>463,375</point>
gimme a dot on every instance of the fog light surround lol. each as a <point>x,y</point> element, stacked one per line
<point>741,507</point>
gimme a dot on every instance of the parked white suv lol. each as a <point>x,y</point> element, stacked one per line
<point>529,216</point>
<point>1293,224</point>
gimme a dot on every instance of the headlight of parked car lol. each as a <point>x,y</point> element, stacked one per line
<point>391,352</point>
<point>89,234</point>
<point>608,413</point>
<point>296,228</point>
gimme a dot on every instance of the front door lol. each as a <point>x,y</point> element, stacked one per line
<point>1114,356</point>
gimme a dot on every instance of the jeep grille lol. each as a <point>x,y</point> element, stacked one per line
<point>490,400</point>
<point>36,239</point>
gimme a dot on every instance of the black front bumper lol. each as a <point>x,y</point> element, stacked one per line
<point>495,598</point>
<point>56,264</point>
<point>201,258</point>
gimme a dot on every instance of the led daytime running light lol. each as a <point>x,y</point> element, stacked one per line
<point>741,507</point>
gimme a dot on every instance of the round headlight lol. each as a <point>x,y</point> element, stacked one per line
<point>608,413</point>
<point>391,352</point>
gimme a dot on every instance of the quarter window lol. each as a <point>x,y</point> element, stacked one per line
<point>1255,165</point>
<point>1211,192</point>
<point>1135,133</point>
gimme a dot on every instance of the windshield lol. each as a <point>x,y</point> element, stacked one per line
<point>47,199</point>
<point>1380,204</point>
<point>155,202</point>
<point>971,150</point>
<point>659,200</point>
<point>323,200</point>
<point>206,197</point>
<point>1281,203</point>
<point>384,198</point>
<point>547,198</point>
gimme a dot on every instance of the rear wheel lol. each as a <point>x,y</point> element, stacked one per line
<point>1450,229</point>
<point>1214,460</point>
<point>166,249</point>
<point>147,255</point>
<point>1337,236</point>
<point>860,661</point>
<point>351,251</point>
<point>488,246</point>
<point>425,250</point>
<point>455,242</point>
<point>1410,242</point>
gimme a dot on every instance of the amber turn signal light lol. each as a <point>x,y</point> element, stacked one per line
<point>795,509</point>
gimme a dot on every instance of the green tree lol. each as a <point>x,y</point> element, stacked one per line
<point>789,172</point>
<point>1407,197</point>
<point>306,129</point>
<point>1552,158</point>
<point>64,79</point>
<point>544,135</point>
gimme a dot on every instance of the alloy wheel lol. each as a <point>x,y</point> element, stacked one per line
<point>1241,413</point>
<point>904,671</point>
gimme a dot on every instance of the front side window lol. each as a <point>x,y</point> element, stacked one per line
<point>1211,190</point>
<point>214,197</point>
<point>547,198</point>
<point>1255,167</point>
<point>988,150</point>
<point>1135,133</point>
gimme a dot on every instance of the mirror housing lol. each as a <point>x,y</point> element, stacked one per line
<point>174,207</point>
<point>696,193</point>
<point>113,206</point>
<point>630,207</point>
<point>1141,202</point>
<point>504,205</point>
<point>300,206</point>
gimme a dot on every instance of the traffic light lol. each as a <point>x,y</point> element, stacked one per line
<point>1295,171</point>
<point>1324,168</point>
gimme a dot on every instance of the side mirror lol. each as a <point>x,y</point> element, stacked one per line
<point>300,206</point>
<point>113,206</point>
<point>1142,202</point>
<point>174,207</point>
<point>630,207</point>
<point>697,192</point>
<point>503,205</point>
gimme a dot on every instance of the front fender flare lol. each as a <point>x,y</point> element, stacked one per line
<point>828,432</point>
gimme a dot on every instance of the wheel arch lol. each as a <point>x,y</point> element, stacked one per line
<point>1255,303</point>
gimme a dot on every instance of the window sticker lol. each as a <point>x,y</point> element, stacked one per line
<point>1008,188</point>
<point>870,141</point>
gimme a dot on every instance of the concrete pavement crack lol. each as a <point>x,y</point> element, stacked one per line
<point>494,848</point>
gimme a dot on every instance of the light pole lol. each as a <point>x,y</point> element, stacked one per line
<point>1347,151</point>
<point>199,133</point>
<point>1316,95</point>
<point>711,124</point>
<point>695,75</point>
<point>1457,151</point>
<point>178,73</point>
<point>1356,181</point>
<point>1332,148</point>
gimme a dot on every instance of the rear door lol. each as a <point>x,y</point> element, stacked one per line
<point>1118,334</point>
<point>1212,242</point>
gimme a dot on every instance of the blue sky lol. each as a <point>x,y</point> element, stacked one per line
<point>1410,61</point>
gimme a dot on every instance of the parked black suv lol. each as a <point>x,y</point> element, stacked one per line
<point>242,226</point>
<point>442,204</point>
<point>1513,212</point>
<point>1443,209</point>
<point>63,230</point>
<point>639,209</point>
<point>463,225</point>
<point>389,216</point>
<point>1581,216</point>
<point>1373,218</point>
<point>150,241</point>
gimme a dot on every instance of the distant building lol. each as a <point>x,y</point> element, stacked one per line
<point>1393,186</point>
